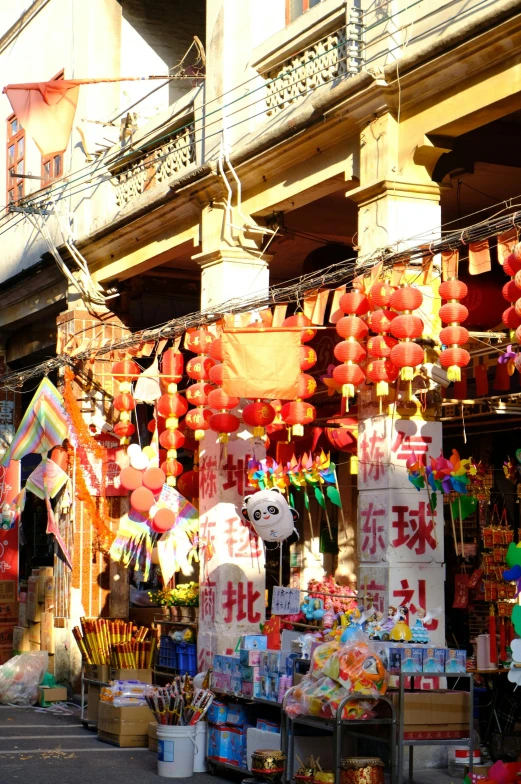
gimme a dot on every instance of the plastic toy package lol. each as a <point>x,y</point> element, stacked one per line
<point>124,694</point>
<point>322,698</point>
<point>20,677</point>
<point>358,669</point>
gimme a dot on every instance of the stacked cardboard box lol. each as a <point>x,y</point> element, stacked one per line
<point>124,727</point>
<point>35,630</point>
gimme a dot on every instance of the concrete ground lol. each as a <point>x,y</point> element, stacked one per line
<point>41,746</point>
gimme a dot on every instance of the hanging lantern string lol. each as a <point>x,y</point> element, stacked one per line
<point>288,292</point>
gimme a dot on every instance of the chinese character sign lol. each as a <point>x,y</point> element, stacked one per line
<point>285,601</point>
<point>9,489</point>
<point>421,586</point>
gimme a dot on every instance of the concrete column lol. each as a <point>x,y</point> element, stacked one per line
<point>232,574</point>
<point>399,542</point>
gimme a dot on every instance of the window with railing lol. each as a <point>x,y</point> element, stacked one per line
<point>295,8</point>
<point>15,160</point>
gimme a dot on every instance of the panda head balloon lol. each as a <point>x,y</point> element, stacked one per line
<point>270,515</point>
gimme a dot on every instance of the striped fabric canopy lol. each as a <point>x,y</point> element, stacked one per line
<point>44,424</point>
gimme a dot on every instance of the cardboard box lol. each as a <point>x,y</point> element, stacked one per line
<point>143,676</point>
<point>44,573</point>
<point>434,659</point>
<point>456,660</point>
<point>21,642</point>
<point>22,612</point>
<point>35,634</point>
<point>218,712</point>
<point>49,694</point>
<point>412,659</point>
<point>218,742</point>
<point>434,708</point>
<point>123,741</point>
<point>254,642</point>
<point>7,591</point>
<point>131,721</point>
<point>97,672</point>
<point>249,658</point>
<point>50,663</point>
<point>33,607</point>
<point>152,736</point>
<point>47,632</point>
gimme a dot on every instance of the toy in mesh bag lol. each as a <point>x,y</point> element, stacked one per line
<point>321,655</point>
<point>358,669</point>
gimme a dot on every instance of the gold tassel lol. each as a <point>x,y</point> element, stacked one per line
<point>258,430</point>
<point>199,435</point>
<point>298,430</point>
<point>382,388</point>
<point>407,373</point>
<point>454,373</point>
<point>170,480</point>
<point>223,438</point>
<point>348,390</point>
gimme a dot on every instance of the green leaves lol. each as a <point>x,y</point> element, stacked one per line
<point>334,495</point>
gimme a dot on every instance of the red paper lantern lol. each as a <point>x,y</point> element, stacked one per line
<point>453,312</point>
<point>164,520</point>
<point>172,467</point>
<point>198,368</point>
<point>124,402</point>
<point>171,439</point>
<point>455,357</point>
<point>511,265</point>
<point>141,500</point>
<point>216,350</point>
<point>349,376</point>
<point>258,415</point>
<point>300,320</point>
<point>380,294</point>
<point>188,484</point>
<point>172,405</point>
<point>407,326</point>
<point>352,327</point>
<point>125,370</point>
<point>190,444</point>
<point>383,373</point>
<point>306,386</point>
<point>453,289</point>
<point>407,356</point>
<point>406,298</point>
<point>517,251</point>
<point>198,419</point>
<point>154,479</point>
<point>511,291</point>
<point>308,357</point>
<point>510,318</point>
<point>172,366</point>
<point>197,394</point>
<point>354,302</point>
<point>380,321</point>
<point>451,335</point>
<point>199,341</point>
<point>216,374</point>
<point>130,479</point>
<point>124,430</point>
<point>219,400</point>
<point>224,423</point>
<point>297,414</point>
<point>517,306</point>
<point>380,346</point>
<point>349,351</point>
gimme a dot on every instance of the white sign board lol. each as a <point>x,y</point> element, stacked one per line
<point>285,601</point>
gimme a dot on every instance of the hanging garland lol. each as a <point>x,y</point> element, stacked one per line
<point>84,438</point>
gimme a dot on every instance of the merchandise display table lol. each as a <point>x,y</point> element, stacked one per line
<point>338,727</point>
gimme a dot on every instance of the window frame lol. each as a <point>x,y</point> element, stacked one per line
<point>51,157</point>
<point>305,7</point>
<point>13,183</point>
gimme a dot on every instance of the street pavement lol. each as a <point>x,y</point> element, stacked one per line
<point>44,746</point>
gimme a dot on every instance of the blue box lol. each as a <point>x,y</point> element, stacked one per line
<point>268,726</point>
<point>217,713</point>
<point>434,659</point>
<point>231,665</point>
<point>237,714</point>
<point>263,662</point>
<point>276,662</point>
<point>455,660</point>
<point>235,685</point>
<point>260,689</point>
<point>237,746</point>
<point>251,642</point>
<point>412,659</point>
<point>250,674</point>
<point>218,743</point>
<point>250,658</point>
<point>273,687</point>
<point>218,663</point>
<point>395,660</point>
<point>289,663</point>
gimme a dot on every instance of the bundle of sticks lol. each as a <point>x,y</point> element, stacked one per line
<point>115,642</point>
<point>178,703</point>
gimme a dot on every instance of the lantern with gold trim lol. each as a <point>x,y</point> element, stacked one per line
<point>406,327</point>
<point>351,327</point>
<point>453,313</point>
<point>223,422</point>
<point>125,372</point>
<point>171,406</point>
<point>258,414</point>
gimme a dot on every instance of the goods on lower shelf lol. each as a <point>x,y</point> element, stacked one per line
<point>179,704</point>
<point>181,656</point>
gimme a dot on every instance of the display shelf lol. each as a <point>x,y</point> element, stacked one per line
<point>84,681</point>
<point>169,622</point>
<point>260,700</point>
<point>339,726</point>
<point>216,763</point>
<point>411,743</point>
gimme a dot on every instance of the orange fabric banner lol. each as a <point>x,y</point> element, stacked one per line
<point>263,364</point>
<point>46,109</point>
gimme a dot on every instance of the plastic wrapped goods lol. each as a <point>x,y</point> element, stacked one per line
<point>20,677</point>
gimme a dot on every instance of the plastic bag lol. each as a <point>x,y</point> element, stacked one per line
<point>359,669</point>
<point>21,676</point>
<point>123,694</point>
<point>322,698</point>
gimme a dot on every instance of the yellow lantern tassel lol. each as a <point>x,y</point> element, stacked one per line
<point>199,435</point>
<point>223,438</point>
<point>170,480</point>
<point>454,373</point>
<point>407,373</point>
<point>382,388</point>
<point>258,431</point>
<point>348,390</point>
<point>298,430</point>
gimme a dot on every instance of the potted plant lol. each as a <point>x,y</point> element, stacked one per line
<point>186,598</point>
<point>163,599</point>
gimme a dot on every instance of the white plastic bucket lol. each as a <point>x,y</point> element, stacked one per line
<point>175,751</point>
<point>200,765</point>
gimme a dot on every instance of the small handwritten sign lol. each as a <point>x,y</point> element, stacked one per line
<point>285,601</point>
